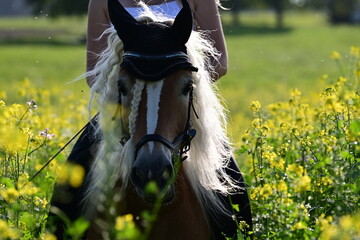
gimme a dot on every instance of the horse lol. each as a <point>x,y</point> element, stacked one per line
<point>160,132</point>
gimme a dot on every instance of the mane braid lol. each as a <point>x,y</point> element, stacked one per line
<point>137,89</point>
<point>210,150</point>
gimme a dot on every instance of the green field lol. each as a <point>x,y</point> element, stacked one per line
<point>264,63</point>
<point>300,156</point>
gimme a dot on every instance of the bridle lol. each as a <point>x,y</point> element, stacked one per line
<point>181,144</point>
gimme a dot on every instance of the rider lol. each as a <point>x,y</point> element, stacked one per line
<point>98,21</point>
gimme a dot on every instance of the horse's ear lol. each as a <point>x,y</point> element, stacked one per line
<point>122,20</point>
<point>183,23</point>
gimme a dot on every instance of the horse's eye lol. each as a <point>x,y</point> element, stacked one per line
<point>122,89</point>
<point>188,87</point>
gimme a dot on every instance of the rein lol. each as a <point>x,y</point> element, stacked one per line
<point>61,149</point>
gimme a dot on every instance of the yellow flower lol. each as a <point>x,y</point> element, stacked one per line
<point>10,195</point>
<point>324,77</point>
<point>299,225</point>
<point>266,190</point>
<point>274,107</point>
<point>254,195</point>
<point>12,139</point>
<point>325,181</point>
<point>302,184</point>
<point>73,174</point>
<point>42,203</point>
<point>243,225</point>
<point>77,176</point>
<point>3,95</point>
<point>6,232</point>
<point>295,168</point>
<point>335,55</point>
<point>281,186</point>
<point>29,189</point>
<point>346,223</point>
<point>342,80</point>
<point>329,233</point>
<point>261,192</point>
<point>357,72</point>
<point>329,141</point>
<point>256,123</point>
<point>295,92</point>
<point>3,226</point>
<point>276,163</point>
<point>287,201</point>
<point>323,222</point>
<point>322,133</point>
<point>265,129</point>
<point>124,221</point>
<point>2,104</point>
<point>305,142</point>
<point>49,236</point>
<point>355,51</point>
<point>255,106</point>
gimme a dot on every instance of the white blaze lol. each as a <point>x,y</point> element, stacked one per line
<point>153,99</point>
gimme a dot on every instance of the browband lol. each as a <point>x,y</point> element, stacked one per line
<point>174,55</point>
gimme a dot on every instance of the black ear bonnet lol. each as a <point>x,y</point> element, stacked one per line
<point>152,50</point>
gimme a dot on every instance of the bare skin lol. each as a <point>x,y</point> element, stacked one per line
<point>98,21</point>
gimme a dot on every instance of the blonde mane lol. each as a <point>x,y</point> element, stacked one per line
<point>210,151</point>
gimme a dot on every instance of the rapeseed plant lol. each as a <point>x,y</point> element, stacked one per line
<point>30,133</point>
<point>305,160</point>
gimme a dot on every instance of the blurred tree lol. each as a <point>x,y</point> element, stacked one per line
<point>59,7</point>
<point>279,8</point>
<point>341,10</point>
<point>308,4</point>
<point>236,6</point>
<point>315,4</point>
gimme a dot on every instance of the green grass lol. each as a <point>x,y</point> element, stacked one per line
<point>42,30</point>
<point>265,63</point>
<point>47,51</point>
<point>45,66</point>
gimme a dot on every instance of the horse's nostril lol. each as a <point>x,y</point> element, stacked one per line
<point>166,174</point>
<point>137,177</point>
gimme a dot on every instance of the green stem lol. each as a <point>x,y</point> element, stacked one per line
<point>22,117</point>
<point>340,67</point>
<point>40,146</point>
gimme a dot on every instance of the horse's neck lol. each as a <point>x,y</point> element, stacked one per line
<point>183,218</point>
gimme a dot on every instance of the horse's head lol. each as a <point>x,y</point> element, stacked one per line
<point>155,84</point>
<point>159,118</point>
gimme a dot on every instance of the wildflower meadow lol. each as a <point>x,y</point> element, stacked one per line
<point>300,157</point>
<point>31,132</point>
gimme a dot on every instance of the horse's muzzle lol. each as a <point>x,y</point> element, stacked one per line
<point>152,174</point>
